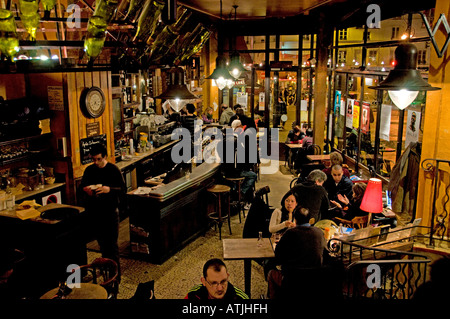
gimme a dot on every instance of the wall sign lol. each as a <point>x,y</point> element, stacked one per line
<point>92,129</point>
<point>86,145</point>
<point>55,98</point>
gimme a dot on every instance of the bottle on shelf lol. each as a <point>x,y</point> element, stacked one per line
<point>40,170</point>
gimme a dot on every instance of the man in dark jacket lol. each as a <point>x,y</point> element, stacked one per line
<point>338,184</point>
<point>215,284</point>
<point>300,247</point>
<point>312,195</point>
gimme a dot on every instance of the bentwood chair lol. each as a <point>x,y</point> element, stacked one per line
<point>357,222</point>
<point>104,272</point>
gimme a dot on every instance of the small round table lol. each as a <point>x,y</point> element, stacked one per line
<point>86,291</point>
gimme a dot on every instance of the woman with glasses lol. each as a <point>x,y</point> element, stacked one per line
<point>215,284</point>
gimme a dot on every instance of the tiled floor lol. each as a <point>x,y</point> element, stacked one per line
<point>183,270</point>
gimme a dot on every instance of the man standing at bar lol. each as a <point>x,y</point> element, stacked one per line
<point>103,185</point>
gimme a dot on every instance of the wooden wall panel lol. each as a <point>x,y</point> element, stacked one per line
<point>77,82</point>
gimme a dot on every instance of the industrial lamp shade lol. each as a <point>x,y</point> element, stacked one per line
<point>220,74</point>
<point>372,201</point>
<point>235,67</point>
<point>177,88</point>
<point>404,82</point>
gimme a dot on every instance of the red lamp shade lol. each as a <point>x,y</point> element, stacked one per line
<point>372,201</point>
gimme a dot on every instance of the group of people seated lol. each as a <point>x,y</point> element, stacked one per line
<point>326,194</point>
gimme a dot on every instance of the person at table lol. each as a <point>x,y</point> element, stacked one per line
<point>295,135</point>
<point>312,195</point>
<point>246,121</point>
<point>102,201</point>
<point>336,159</point>
<point>226,115</point>
<point>349,208</point>
<point>283,219</point>
<point>300,247</point>
<point>338,184</point>
<point>207,116</point>
<point>215,284</point>
<point>308,139</point>
<point>235,115</point>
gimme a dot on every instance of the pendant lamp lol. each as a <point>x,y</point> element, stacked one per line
<point>177,93</point>
<point>404,82</point>
<point>220,75</point>
<point>235,67</point>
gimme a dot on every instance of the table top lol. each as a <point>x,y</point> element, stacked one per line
<point>294,145</point>
<point>246,248</point>
<point>86,291</point>
<point>323,157</point>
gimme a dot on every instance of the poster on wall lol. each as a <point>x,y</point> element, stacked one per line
<point>356,109</point>
<point>337,102</point>
<point>365,117</point>
<point>262,99</point>
<point>349,116</point>
<point>303,105</point>
<point>242,99</point>
<point>412,127</point>
<point>385,121</point>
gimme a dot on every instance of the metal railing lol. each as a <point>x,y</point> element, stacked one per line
<point>379,273</point>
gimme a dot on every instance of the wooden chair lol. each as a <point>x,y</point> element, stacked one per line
<point>357,222</point>
<point>102,271</point>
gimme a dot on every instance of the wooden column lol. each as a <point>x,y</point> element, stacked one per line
<point>436,136</point>
<point>320,87</point>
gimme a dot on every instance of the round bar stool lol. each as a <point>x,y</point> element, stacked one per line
<point>218,191</point>
<point>238,181</point>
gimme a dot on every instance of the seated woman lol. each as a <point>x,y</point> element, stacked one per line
<point>351,209</point>
<point>282,219</point>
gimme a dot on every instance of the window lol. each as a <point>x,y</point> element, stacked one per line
<point>422,57</point>
<point>395,31</point>
<point>306,37</point>
<point>342,57</point>
<point>372,56</point>
<point>343,34</point>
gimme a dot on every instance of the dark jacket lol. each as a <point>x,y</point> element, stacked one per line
<point>300,247</point>
<point>199,292</point>
<point>313,197</point>
<point>344,187</point>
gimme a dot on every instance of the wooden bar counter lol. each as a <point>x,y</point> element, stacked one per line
<point>166,218</point>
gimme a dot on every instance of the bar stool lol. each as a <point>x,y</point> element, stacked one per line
<point>219,190</point>
<point>237,181</point>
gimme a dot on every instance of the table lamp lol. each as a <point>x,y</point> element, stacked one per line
<point>372,201</point>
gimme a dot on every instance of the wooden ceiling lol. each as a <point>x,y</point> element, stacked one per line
<point>255,9</point>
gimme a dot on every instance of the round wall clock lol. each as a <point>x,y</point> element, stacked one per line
<point>92,102</point>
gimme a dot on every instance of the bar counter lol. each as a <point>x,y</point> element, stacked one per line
<point>170,216</point>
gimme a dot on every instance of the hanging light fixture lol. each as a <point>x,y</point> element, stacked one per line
<point>177,93</point>
<point>235,67</point>
<point>220,75</point>
<point>404,82</point>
